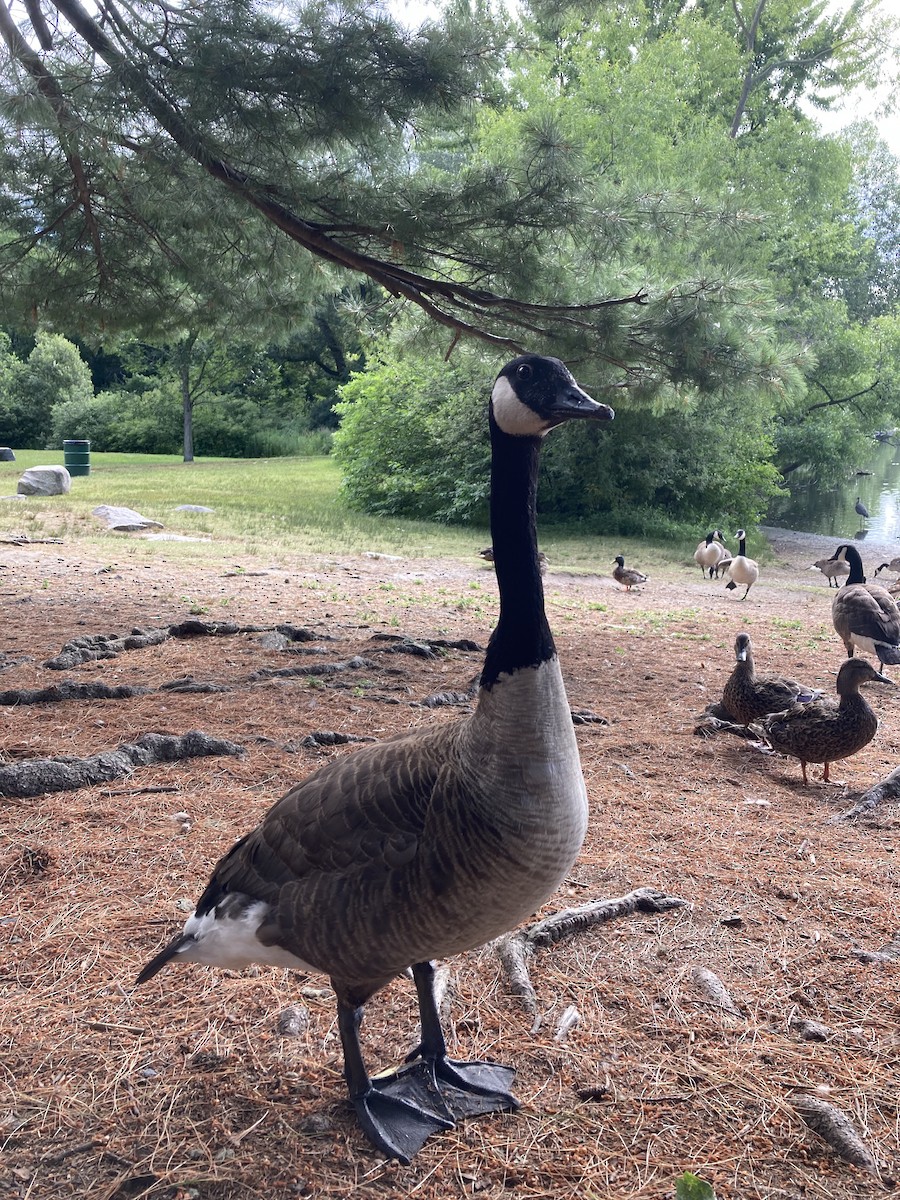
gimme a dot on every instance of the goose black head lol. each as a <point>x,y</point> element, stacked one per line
<point>533,394</point>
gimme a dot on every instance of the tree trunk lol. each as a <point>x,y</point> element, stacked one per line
<point>187,398</point>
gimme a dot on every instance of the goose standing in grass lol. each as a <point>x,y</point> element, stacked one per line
<point>709,551</point>
<point>831,568</point>
<point>865,615</point>
<point>433,842</point>
<point>822,731</point>
<point>741,569</point>
<point>627,576</point>
<point>748,696</point>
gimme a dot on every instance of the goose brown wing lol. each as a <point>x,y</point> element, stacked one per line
<point>869,611</point>
<point>360,815</point>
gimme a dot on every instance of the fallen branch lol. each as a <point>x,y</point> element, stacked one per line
<point>34,777</point>
<point>889,952</point>
<point>886,789</point>
<point>715,718</point>
<point>515,949</point>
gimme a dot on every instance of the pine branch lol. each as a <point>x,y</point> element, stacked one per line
<point>448,303</point>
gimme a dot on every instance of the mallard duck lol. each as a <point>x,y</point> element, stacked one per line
<point>748,696</point>
<point>865,615</point>
<point>627,576</point>
<point>822,731</point>
<point>435,841</point>
<point>832,567</point>
<point>488,555</point>
<point>741,569</point>
<point>709,551</point>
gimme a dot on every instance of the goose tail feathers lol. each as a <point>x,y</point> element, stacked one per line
<point>889,655</point>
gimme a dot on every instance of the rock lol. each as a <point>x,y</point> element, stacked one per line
<point>126,520</point>
<point>45,481</point>
<point>6,455</point>
<point>201,508</point>
<point>292,1021</point>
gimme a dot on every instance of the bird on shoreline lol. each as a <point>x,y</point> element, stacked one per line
<point>627,576</point>
<point>822,731</point>
<point>865,615</point>
<point>435,841</point>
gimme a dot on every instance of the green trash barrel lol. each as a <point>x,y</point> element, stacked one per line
<point>77,457</point>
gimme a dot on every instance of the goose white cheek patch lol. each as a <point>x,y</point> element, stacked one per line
<point>512,415</point>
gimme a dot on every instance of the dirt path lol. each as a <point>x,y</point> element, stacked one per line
<point>187,1090</point>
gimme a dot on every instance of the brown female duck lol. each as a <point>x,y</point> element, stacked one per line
<point>749,696</point>
<point>822,731</point>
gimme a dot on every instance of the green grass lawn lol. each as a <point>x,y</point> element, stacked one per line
<point>267,506</point>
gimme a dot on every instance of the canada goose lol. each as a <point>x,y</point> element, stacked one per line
<point>709,551</point>
<point>822,731</point>
<point>742,569</point>
<point>861,509</point>
<point>627,575</point>
<point>832,567</point>
<point>433,842</point>
<point>748,696</point>
<point>893,565</point>
<point>721,566</point>
<point>865,614</point>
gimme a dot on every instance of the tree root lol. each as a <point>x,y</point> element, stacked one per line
<point>34,777</point>
<point>887,789</point>
<point>515,949</point>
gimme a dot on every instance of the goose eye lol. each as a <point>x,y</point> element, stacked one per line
<point>524,371</point>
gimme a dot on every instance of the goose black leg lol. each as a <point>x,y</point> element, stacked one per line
<point>397,1112</point>
<point>467,1088</point>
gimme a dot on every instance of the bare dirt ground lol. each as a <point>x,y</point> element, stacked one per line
<point>187,1090</point>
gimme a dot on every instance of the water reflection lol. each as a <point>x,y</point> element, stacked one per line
<point>833,513</point>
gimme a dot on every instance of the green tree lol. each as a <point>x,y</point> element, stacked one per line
<point>342,131</point>
<point>54,374</point>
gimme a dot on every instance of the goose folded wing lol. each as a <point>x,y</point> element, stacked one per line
<point>870,613</point>
<point>361,814</point>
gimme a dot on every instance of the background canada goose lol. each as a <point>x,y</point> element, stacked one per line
<point>433,842</point>
<point>831,568</point>
<point>865,614</point>
<point>627,576</point>
<point>722,565</point>
<point>748,696</point>
<point>822,731</point>
<point>709,551</point>
<point>741,569</point>
<point>893,565</point>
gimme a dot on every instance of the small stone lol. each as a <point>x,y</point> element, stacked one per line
<point>292,1021</point>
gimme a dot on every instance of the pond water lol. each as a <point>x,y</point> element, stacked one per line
<point>832,512</point>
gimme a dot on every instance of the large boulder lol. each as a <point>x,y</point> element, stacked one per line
<point>6,455</point>
<point>45,481</point>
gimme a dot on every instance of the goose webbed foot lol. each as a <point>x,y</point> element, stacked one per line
<point>398,1112</point>
<point>470,1088</point>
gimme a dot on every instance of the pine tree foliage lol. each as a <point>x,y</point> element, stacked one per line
<point>148,144</point>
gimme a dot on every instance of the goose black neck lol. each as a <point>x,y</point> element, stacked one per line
<point>742,547</point>
<point>522,637</point>
<point>855,563</point>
